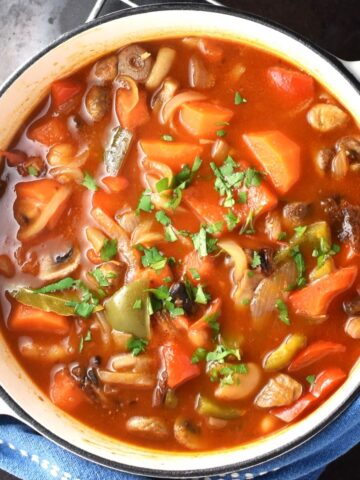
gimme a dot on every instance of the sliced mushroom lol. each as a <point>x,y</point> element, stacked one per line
<point>350,145</point>
<point>326,117</point>
<point>106,68</point>
<point>273,226</point>
<point>323,159</point>
<point>339,165</point>
<point>135,62</point>
<point>352,307</point>
<point>181,298</point>
<point>199,76</point>
<point>97,102</point>
<point>243,385</point>
<point>164,94</point>
<point>295,213</point>
<point>133,379</point>
<point>352,327</point>
<point>59,265</point>
<point>148,427</point>
<point>279,391</point>
<point>188,433</point>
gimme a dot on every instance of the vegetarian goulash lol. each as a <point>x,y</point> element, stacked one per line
<point>180,244</point>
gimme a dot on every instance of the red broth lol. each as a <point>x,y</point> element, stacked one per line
<point>194,288</point>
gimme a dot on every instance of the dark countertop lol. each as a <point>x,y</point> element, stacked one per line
<point>26,26</point>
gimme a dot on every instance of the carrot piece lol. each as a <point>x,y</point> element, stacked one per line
<point>173,154</point>
<point>156,277</point>
<point>278,156</point>
<point>38,190</point>
<point>288,414</point>
<point>314,352</point>
<point>181,322</point>
<point>327,381</point>
<point>29,319</point>
<point>314,300</point>
<point>202,119</point>
<point>93,257</point>
<point>178,364</point>
<point>64,90</point>
<point>131,117</point>
<point>294,86</point>
<point>212,312</point>
<point>64,391</point>
<point>259,200</point>
<point>116,184</point>
<point>49,131</point>
<point>204,266</point>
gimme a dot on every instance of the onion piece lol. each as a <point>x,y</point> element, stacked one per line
<point>273,227</point>
<point>134,379</point>
<point>236,72</point>
<point>161,169</point>
<point>220,150</point>
<point>199,76</point>
<point>163,63</point>
<point>128,221</point>
<point>127,361</point>
<point>238,256</point>
<point>171,107</point>
<point>67,174</point>
<point>143,234</point>
<point>269,290</point>
<point>164,94</point>
<point>56,352</point>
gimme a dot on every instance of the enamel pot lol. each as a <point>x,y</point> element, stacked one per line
<point>22,93</point>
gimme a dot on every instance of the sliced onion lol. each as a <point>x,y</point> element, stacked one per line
<point>171,107</point>
<point>164,94</point>
<point>46,214</point>
<point>199,76</point>
<point>238,256</point>
<point>128,221</point>
<point>104,327</point>
<point>164,61</point>
<point>143,234</point>
<point>161,169</point>
<point>273,225</point>
<point>67,174</point>
<point>120,340</point>
<point>269,291</point>
<point>141,380</point>
<point>236,72</point>
<point>220,150</point>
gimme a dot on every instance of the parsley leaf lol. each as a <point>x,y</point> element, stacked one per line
<point>89,182</point>
<point>145,203</point>
<point>162,218</point>
<point>213,323</point>
<point>221,352</point>
<point>283,311</point>
<point>137,304</point>
<point>242,197</point>
<point>33,171</point>
<point>215,227</point>
<point>324,252</point>
<point>252,178</point>
<point>231,220</point>
<point>108,250</point>
<point>198,355</point>
<point>137,345</point>
<point>248,226</point>
<point>194,273</point>
<point>238,99</point>
<point>300,265</point>
<point>167,138</point>
<point>152,258</point>
<point>300,231</point>
<point>256,260</point>
<point>162,185</point>
<point>63,284</point>
<point>203,243</point>
<point>100,277</point>
<point>201,296</point>
<point>311,379</point>
<point>170,234</point>
<point>220,133</point>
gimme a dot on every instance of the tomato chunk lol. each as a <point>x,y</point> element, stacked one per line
<point>314,352</point>
<point>178,364</point>
<point>64,391</point>
<point>64,90</point>
<point>293,85</point>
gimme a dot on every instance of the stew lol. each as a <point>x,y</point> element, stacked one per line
<point>180,244</point>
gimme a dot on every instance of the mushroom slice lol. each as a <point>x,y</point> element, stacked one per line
<point>325,117</point>
<point>295,213</point>
<point>352,327</point>
<point>148,427</point>
<point>62,264</point>
<point>188,433</point>
<point>97,102</point>
<point>243,385</point>
<point>135,62</point>
<point>279,391</point>
<point>106,68</point>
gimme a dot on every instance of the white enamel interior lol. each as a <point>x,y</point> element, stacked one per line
<point>17,103</point>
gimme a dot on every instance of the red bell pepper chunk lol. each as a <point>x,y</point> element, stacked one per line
<point>288,414</point>
<point>315,352</point>
<point>178,364</point>
<point>327,381</point>
<point>64,90</point>
<point>293,85</point>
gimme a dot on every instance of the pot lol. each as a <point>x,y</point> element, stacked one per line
<point>22,93</point>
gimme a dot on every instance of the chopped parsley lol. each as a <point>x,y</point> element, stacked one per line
<point>299,231</point>
<point>108,250</point>
<point>87,338</point>
<point>199,354</point>
<point>325,251</point>
<point>221,352</point>
<point>137,345</point>
<point>162,185</point>
<point>242,197</point>
<point>226,373</point>
<point>167,138</point>
<point>252,178</point>
<point>33,171</point>
<point>282,236</point>
<point>238,99</point>
<point>59,286</point>
<point>89,182</point>
<point>248,226</point>
<point>221,133</point>
<point>300,265</point>
<point>231,220</point>
<point>152,258</point>
<point>211,320</point>
<point>227,179</point>
<point>201,296</point>
<point>215,227</point>
<point>100,277</point>
<point>246,301</point>
<point>256,260</point>
<point>170,234</point>
<point>311,379</point>
<point>186,174</point>
<point>137,304</point>
<point>194,273</point>
<point>145,203</point>
<point>203,243</point>
<point>283,311</point>
<point>160,299</point>
<point>162,218</point>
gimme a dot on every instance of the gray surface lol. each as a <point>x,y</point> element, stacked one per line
<point>27,26</point>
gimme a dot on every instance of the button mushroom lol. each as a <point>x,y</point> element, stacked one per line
<point>199,76</point>
<point>243,385</point>
<point>148,427</point>
<point>323,159</point>
<point>326,117</point>
<point>352,327</point>
<point>97,102</point>
<point>294,213</point>
<point>279,391</point>
<point>135,62</point>
<point>181,298</point>
<point>62,264</point>
<point>188,433</point>
<point>106,68</point>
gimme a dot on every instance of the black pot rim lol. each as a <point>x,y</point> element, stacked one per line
<point>236,466</point>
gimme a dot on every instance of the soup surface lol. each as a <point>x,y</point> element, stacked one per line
<point>180,244</point>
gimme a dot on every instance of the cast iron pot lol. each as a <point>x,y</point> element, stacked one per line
<point>18,97</point>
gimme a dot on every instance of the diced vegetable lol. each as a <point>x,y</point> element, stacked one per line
<point>97,102</point>
<point>64,90</point>
<point>131,379</point>
<point>279,391</point>
<point>352,327</point>
<point>314,352</point>
<point>327,381</point>
<point>29,319</point>
<point>278,156</point>
<point>326,117</point>
<point>283,354</point>
<point>64,391</point>
<point>173,154</point>
<point>202,119</point>
<point>293,85</point>
<point>148,427</point>
<point>288,414</point>
<point>7,269</point>
<point>164,60</point>
<point>178,364</point>
<point>188,433</point>
<point>314,299</point>
<point>136,116</point>
<point>50,131</point>
<point>122,316</point>
<point>243,385</point>
<point>117,150</point>
<point>116,184</point>
<point>209,408</point>
<point>199,269</point>
<point>135,62</point>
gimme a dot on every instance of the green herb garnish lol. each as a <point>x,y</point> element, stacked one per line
<point>238,99</point>
<point>283,311</point>
<point>145,203</point>
<point>108,250</point>
<point>137,345</point>
<point>89,182</point>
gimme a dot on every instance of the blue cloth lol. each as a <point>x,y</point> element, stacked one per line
<point>30,456</point>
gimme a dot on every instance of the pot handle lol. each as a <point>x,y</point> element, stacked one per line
<point>353,67</point>
<point>103,7</point>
